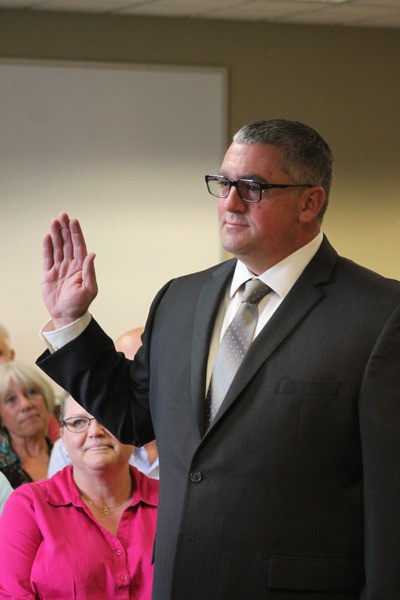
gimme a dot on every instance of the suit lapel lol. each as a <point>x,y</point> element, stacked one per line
<point>304,295</point>
<point>207,308</point>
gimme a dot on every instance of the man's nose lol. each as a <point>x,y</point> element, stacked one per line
<point>233,201</point>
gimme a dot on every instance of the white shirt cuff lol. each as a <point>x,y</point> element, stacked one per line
<point>57,338</point>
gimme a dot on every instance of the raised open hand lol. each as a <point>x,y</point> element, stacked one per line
<point>69,281</point>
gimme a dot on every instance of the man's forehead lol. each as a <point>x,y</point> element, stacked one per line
<point>249,160</point>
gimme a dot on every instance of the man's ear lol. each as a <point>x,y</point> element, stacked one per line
<point>313,199</point>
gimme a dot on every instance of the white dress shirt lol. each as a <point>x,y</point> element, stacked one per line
<point>280,278</point>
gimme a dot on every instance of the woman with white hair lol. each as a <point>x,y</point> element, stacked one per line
<point>26,399</point>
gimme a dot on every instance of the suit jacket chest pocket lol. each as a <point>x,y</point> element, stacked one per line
<point>320,423</point>
<point>311,389</point>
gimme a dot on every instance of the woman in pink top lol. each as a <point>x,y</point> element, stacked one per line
<point>87,533</point>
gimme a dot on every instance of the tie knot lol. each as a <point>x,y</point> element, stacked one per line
<point>254,291</point>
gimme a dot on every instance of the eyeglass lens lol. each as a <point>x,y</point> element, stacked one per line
<point>247,189</point>
<point>78,424</point>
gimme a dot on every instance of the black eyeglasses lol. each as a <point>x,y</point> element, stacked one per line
<point>248,189</point>
<point>77,424</point>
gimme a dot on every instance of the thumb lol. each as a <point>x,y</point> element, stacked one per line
<point>89,274</point>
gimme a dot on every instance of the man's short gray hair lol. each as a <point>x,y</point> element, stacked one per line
<point>306,156</point>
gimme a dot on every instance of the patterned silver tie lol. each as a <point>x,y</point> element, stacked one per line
<point>233,347</point>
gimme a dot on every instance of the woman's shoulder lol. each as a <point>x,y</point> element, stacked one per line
<point>53,490</point>
<point>145,487</point>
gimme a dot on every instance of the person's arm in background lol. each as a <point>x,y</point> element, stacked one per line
<point>5,490</point>
<point>58,458</point>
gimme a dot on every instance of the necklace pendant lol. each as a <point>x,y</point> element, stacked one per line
<point>106,510</point>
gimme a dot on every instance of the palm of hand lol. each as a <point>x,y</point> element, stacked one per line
<point>69,280</point>
<point>66,293</point>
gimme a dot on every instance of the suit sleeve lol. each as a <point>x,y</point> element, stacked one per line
<point>379,410</point>
<point>109,386</point>
<point>98,377</point>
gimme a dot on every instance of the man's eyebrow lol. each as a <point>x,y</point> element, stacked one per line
<point>253,176</point>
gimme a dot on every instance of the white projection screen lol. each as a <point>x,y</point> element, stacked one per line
<point>124,148</point>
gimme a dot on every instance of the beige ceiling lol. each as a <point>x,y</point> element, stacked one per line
<point>356,13</point>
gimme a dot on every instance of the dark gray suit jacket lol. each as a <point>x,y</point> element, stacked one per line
<point>294,493</point>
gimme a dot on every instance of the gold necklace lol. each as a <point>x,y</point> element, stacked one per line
<point>106,509</point>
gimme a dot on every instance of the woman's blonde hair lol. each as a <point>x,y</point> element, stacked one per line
<point>28,378</point>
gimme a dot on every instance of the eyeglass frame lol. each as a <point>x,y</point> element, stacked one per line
<point>263,186</point>
<point>64,423</point>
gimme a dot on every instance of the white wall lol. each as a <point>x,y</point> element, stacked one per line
<point>124,148</point>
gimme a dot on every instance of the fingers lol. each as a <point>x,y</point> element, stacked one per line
<point>89,275</point>
<point>67,241</point>
<point>56,241</point>
<point>69,280</point>
<point>64,234</point>
<point>48,253</point>
<point>78,241</point>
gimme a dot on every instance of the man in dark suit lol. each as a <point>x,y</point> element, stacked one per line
<point>293,491</point>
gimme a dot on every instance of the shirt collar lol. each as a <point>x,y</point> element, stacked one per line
<point>282,276</point>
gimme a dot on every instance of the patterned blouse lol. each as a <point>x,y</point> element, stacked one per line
<point>11,465</point>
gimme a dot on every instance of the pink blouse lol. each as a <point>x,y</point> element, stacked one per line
<point>51,547</point>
